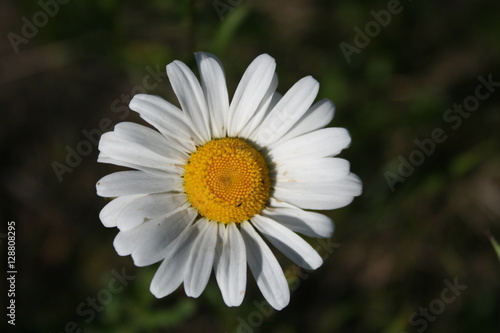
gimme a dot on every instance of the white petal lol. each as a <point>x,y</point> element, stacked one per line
<point>148,242</point>
<point>148,207</point>
<point>307,223</point>
<point>349,186</point>
<point>265,268</point>
<point>136,182</point>
<point>170,274</point>
<point>314,201</point>
<point>288,111</point>
<point>103,158</point>
<point>133,153</point>
<point>201,259</point>
<point>190,95</point>
<point>214,87</point>
<point>321,143</point>
<point>319,195</point>
<point>230,264</point>
<point>109,214</point>
<point>288,242</point>
<point>166,117</point>
<point>312,170</point>
<point>155,141</point>
<point>268,102</point>
<point>318,116</point>
<point>251,90</point>
<point>274,101</point>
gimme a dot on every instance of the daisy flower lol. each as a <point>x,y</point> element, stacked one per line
<point>219,180</point>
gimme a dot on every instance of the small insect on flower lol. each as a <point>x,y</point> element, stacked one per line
<point>216,177</point>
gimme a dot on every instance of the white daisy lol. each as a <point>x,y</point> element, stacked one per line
<point>219,175</point>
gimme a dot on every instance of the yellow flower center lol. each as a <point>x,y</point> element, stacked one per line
<point>227,180</point>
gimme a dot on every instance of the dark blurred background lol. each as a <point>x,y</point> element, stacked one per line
<point>414,253</point>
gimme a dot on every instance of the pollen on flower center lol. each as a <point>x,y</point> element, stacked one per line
<point>227,180</point>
